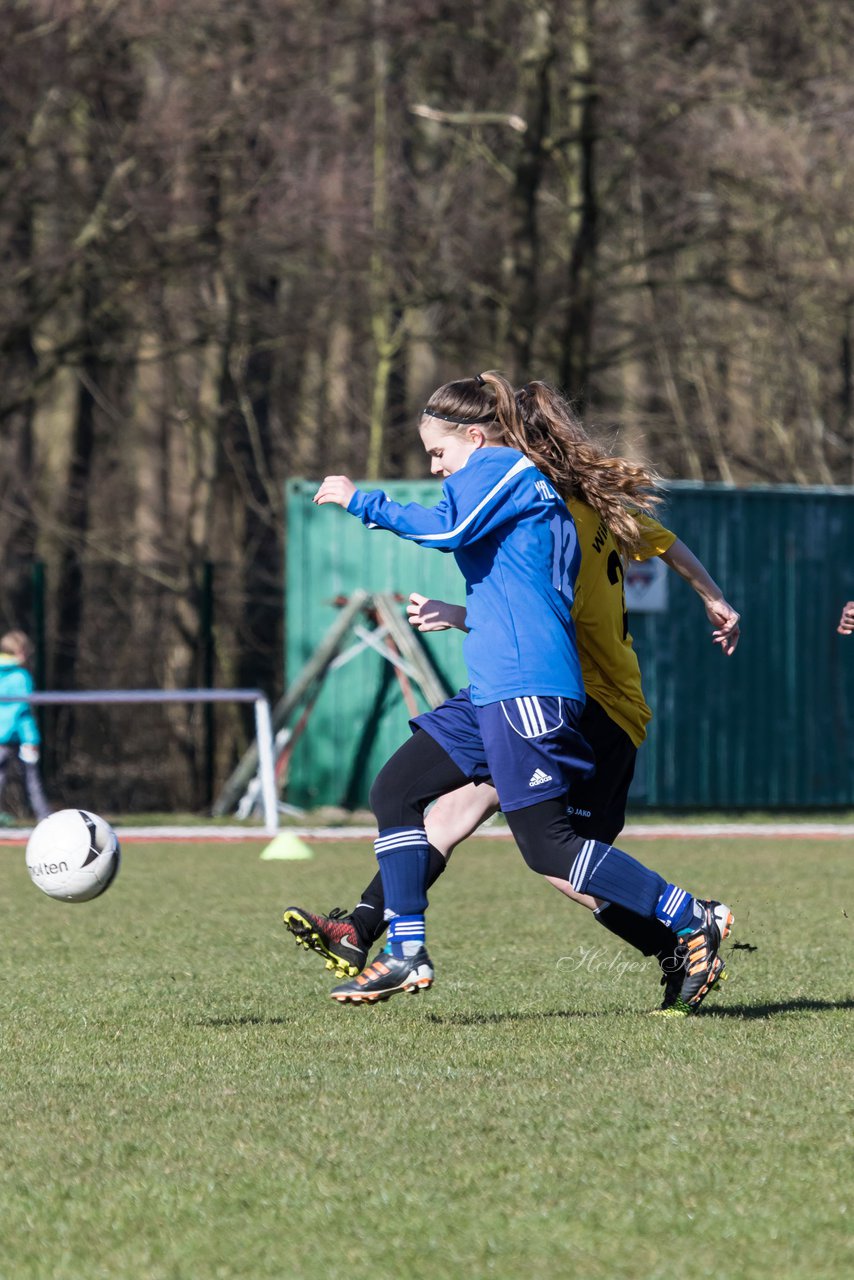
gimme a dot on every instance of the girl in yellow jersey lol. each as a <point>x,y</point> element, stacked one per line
<point>616,714</point>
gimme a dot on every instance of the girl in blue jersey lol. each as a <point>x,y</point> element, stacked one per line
<point>517,721</point>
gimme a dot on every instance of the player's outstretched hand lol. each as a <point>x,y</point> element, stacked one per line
<point>434,615</point>
<point>725,621</point>
<point>846,622</point>
<point>335,489</point>
<point>426,614</point>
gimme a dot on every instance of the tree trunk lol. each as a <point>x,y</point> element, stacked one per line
<point>525,251</point>
<point>17,525</point>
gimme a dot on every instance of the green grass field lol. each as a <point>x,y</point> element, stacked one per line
<point>182,1101</point>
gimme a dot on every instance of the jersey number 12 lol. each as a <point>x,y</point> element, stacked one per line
<point>564,545</point>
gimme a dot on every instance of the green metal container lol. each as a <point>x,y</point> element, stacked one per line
<point>770,727</point>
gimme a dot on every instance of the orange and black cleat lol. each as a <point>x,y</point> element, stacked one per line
<point>703,967</point>
<point>385,976</point>
<point>676,967</point>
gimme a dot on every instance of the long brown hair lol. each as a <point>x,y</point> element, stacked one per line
<point>553,437</point>
<point>539,422</point>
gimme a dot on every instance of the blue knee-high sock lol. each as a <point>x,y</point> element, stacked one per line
<point>606,872</point>
<point>402,854</point>
<point>677,909</point>
<point>406,935</point>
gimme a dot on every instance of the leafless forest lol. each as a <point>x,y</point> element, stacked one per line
<point>241,241</point>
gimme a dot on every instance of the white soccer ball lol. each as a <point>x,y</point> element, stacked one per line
<point>73,855</point>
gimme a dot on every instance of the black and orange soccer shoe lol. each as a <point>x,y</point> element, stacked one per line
<point>334,937</point>
<point>684,971</point>
<point>386,976</point>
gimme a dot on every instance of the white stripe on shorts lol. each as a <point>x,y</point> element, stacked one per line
<point>537,714</point>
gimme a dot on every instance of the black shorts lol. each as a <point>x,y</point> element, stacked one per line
<point>597,805</point>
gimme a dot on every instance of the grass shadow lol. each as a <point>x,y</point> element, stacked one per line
<point>242,1020</point>
<point>782,1006</point>
<point>492,1019</point>
<point>713,1011</point>
<point>486,1019</point>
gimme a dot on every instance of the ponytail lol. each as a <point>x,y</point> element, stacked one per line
<point>553,437</point>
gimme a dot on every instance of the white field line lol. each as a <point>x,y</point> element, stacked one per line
<point>636,831</point>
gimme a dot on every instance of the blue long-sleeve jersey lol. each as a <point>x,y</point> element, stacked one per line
<point>516,545</point>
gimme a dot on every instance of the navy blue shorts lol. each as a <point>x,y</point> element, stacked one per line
<point>529,747</point>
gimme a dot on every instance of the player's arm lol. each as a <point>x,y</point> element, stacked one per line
<point>435,615</point>
<point>377,511</point>
<point>722,616</point>
<point>846,622</point>
<point>471,506</point>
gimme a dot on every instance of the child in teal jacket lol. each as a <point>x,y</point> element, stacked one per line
<point>18,728</point>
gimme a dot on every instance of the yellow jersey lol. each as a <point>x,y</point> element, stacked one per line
<point>609,664</point>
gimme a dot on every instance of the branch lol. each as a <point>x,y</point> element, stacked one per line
<point>98,217</point>
<point>469,117</point>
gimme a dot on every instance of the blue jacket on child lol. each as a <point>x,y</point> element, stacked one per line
<point>17,723</point>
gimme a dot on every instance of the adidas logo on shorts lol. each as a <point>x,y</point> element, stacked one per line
<point>538,778</point>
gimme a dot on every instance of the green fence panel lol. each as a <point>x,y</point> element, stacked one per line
<point>772,726</point>
<point>360,717</point>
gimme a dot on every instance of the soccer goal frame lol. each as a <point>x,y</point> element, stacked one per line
<point>263,723</point>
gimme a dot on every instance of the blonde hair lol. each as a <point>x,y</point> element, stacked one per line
<point>17,645</point>
<point>539,422</point>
